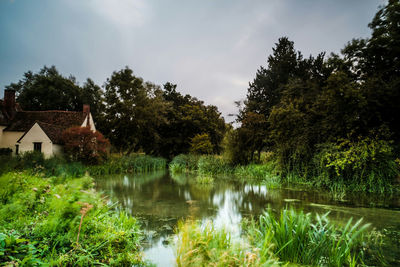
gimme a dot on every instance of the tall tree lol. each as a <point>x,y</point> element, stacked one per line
<point>47,90</point>
<point>187,118</point>
<point>134,112</point>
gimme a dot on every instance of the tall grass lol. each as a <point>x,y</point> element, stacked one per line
<point>184,163</point>
<point>207,246</point>
<point>214,165</point>
<point>205,164</point>
<point>267,173</point>
<point>35,163</point>
<point>298,238</point>
<point>42,216</point>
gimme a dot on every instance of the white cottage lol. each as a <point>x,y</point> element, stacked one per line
<point>24,131</point>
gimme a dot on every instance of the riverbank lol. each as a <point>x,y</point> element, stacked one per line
<point>62,220</point>
<point>271,174</point>
<point>57,166</point>
<point>289,237</point>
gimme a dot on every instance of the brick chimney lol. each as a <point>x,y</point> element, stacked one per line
<point>86,110</point>
<point>9,103</point>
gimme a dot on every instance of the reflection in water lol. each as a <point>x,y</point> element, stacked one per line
<point>159,201</point>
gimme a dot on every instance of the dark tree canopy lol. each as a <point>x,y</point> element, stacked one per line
<point>49,90</point>
<point>307,102</point>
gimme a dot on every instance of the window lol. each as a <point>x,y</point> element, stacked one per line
<point>16,149</point>
<point>37,147</point>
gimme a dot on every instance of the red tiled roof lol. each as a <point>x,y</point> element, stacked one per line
<point>24,120</point>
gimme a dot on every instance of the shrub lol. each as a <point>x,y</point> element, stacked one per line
<point>5,151</point>
<point>82,144</point>
<point>367,164</point>
<point>201,144</point>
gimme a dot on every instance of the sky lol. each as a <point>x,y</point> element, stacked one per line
<point>210,48</point>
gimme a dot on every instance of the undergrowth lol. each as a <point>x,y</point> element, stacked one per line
<point>40,219</point>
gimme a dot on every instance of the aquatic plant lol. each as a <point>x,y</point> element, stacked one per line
<point>184,163</point>
<point>128,164</point>
<point>213,165</point>
<point>205,245</point>
<point>204,179</point>
<point>298,238</point>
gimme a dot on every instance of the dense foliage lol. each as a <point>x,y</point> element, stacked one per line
<point>84,145</point>
<point>41,218</point>
<point>136,116</point>
<point>273,240</point>
<point>336,114</point>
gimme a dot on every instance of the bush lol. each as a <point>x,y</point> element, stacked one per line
<point>201,144</point>
<point>82,144</point>
<point>365,165</point>
<point>5,151</point>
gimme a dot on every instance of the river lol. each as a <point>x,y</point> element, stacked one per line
<point>160,200</point>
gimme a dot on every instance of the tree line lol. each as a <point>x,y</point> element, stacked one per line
<point>337,110</point>
<point>133,114</point>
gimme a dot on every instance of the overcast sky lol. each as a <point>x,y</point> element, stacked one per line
<point>210,48</point>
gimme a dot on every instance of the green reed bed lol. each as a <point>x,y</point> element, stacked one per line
<point>205,164</point>
<point>299,238</point>
<point>128,164</point>
<point>41,219</point>
<point>36,163</point>
<point>205,245</point>
<point>184,163</point>
<point>288,238</point>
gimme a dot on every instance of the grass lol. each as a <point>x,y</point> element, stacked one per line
<point>296,237</point>
<point>40,220</point>
<point>128,164</point>
<point>205,180</point>
<point>292,237</point>
<point>274,176</point>
<point>198,245</point>
<point>35,163</point>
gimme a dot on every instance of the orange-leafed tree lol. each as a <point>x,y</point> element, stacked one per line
<point>85,145</point>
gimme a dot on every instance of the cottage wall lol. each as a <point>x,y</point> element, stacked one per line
<point>1,135</point>
<point>36,134</point>
<point>9,139</point>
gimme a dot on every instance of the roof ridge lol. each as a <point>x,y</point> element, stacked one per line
<point>58,111</point>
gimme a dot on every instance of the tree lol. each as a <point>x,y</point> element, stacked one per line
<point>187,118</point>
<point>92,94</point>
<point>85,145</point>
<point>47,90</point>
<point>201,144</point>
<point>134,112</point>
<point>265,91</point>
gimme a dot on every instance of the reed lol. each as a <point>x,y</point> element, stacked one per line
<point>128,164</point>
<point>204,245</point>
<point>298,238</point>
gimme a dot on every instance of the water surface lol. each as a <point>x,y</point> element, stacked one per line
<point>159,200</point>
